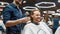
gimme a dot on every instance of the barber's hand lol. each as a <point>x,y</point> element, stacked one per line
<point>25,19</point>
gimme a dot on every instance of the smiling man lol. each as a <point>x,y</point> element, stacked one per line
<point>36,26</point>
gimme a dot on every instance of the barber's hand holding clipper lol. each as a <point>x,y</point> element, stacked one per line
<point>25,19</point>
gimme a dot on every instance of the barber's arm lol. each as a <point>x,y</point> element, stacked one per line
<point>7,19</point>
<point>14,22</point>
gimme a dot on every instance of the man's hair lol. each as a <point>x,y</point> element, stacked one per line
<point>32,11</point>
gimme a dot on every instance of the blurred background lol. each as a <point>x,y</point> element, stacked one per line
<point>48,8</point>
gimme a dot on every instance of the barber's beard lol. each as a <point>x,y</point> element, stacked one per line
<point>18,3</point>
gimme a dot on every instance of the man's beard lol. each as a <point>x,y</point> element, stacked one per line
<point>18,2</point>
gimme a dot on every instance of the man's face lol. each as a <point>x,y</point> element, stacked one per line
<point>18,1</point>
<point>36,16</point>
